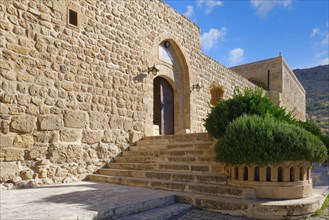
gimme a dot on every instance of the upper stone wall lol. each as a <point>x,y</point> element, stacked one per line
<point>275,76</point>
<point>72,98</point>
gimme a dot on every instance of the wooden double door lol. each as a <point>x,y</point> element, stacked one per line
<point>163,106</point>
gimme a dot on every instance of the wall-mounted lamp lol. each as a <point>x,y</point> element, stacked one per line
<point>196,86</point>
<point>153,70</point>
<point>166,44</point>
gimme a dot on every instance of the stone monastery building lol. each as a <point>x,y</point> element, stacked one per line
<point>82,80</point>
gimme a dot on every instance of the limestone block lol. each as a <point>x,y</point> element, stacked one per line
<point>65,153</point>
<point>37,152</point>
<point>103,152</point>
<point>60,172</point>
<point>46,137</point>
<point>23,123</point>
<point>91,137</point>
<point>42,173</point>
<point>50,122</point>
<point>98,120</point>
<point>3,109</point>
<point>116,122</point>
<point>6,140</point>
<point>9,75</point>
<point>51,172</point>
<point>26,174</point>
<point>4,65</point>
<point>11,154</point>
<point>12,10</point>
<point>133,137</point>
<point>5,127</point>
<point>20,6</point>
<point>8,170</point>
<point>40,47</point>
<point>18,49</point>
<point>5,25</point>
<point>24,141</point>
<point>75,119</point>
<point>128,124</point>
<point>70,135</point>
<point>108,136</point>
<point>47,181</point>
<point>7,98</point>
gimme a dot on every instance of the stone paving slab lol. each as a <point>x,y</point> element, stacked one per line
<point>85,200</point>
<point>81,200</point>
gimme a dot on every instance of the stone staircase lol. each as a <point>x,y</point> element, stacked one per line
<point>186,165</point>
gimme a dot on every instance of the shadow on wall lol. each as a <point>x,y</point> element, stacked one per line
<point>140,78</point>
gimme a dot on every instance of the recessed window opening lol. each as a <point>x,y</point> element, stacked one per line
<point>280,174</point>
<point>245,173</point>
<point>292,174</point>
<point>301,173</point>
<point>268,174</point>
<point>256,176</point>
<point>73,17</point>
<point>236,173</point>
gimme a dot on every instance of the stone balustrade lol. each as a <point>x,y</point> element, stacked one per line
<point>287,180</point>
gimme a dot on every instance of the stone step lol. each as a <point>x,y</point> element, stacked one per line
<point>197,145</point>
<point>161,213</point>
<point>173,141</point>
<point>196,136</point>
<point>200,188</point>
<point>174,176</point>
<point>177,159</point>
<point>137,207</point>
<point>224,205</point>
<point>194,167</point>
<point>157,153</point>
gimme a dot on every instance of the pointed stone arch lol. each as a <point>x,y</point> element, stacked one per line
<point>177,73</point>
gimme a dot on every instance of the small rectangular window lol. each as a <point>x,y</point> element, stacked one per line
<point>73,17</point>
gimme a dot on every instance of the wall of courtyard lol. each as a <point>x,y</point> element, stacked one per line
<point>72,98</point>
<point>281,84</point>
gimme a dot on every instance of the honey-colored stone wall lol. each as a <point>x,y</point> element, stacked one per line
<point>281,84</point>
<point>72,98</point>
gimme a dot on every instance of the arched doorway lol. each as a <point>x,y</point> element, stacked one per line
<point>163,107</point>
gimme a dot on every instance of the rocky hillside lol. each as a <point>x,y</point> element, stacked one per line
<point>316,83</point>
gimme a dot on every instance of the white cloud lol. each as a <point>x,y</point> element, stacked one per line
<point>325,41</point>
<point>212,37</point>
<point>209,4</point>
<point>235,56</point>
<point>315,31</point>
<point>263,7</point>
<point>189,11</point>
<point>325,61</point>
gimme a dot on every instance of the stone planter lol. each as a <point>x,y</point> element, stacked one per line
<point>287,180</point>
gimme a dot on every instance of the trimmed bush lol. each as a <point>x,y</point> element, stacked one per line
<point>262,140</point>
<point>251,101</point>
<point>311,127</point>
<point>325,140</point>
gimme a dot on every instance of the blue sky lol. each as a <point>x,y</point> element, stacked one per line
<point>235,32</point>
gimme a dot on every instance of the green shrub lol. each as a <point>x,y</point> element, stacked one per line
<point>251,101</point>
<point>261,140</point>
<point>311,127</point>
<point>325,140</point>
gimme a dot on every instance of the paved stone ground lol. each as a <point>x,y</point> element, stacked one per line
<point>196,214</point>
<point>82,200</point>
